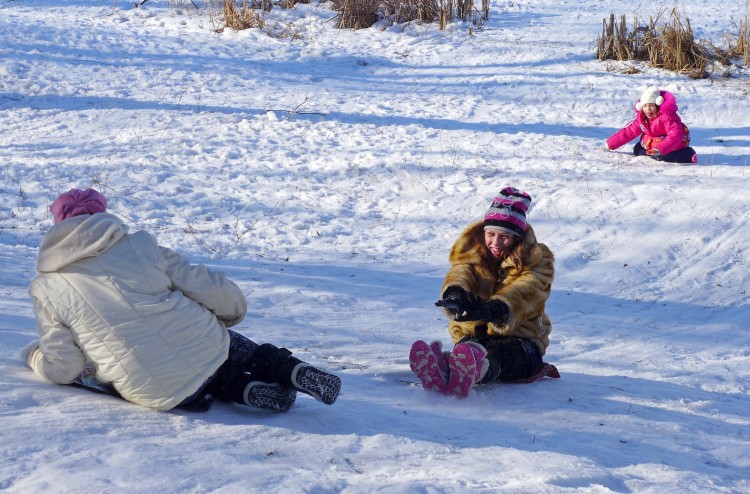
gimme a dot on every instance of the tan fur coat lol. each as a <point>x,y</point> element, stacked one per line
<point>522,280</point>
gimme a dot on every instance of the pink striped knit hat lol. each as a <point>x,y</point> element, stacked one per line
<point>507,212</point>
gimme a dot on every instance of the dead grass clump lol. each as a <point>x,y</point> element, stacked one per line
<point>360,14</point>
<point>617,42</point>
<point>677,50</point>
<point>738,46</point>
<point>672,46</point>
<point>422,11</point>
<point>289,4</point>
<point>356,14</point>
<point>238,14</point>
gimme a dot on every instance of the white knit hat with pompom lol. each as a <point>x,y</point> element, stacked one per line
<point>650,95</point>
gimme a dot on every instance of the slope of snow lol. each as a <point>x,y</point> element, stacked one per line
<point>328,173</point>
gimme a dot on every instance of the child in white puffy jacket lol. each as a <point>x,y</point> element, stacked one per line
<point>117,307</point>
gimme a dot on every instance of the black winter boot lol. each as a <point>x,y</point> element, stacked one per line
<point>273,364</point>
<point>270,396</point>
<point>320,385</point>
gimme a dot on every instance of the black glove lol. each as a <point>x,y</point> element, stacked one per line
<point>467,307</point>
<point>455,300</point>
<point>493,311</point>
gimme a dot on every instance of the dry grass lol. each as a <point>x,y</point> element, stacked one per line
<point>238,14</point>
<point>738,46</point>
<point>618,43</point>
<point>356,14</point>
<point>288,4</point>
<point>672,46</point>
<point>735,47</point>
<point>677,50</point>
<point>744,42</point>
<point>360,14</point>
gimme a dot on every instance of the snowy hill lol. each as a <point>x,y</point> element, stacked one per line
<point>328,175</point>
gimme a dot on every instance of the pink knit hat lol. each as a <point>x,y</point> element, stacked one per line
<point>76,202</point>
<point>507,212</point>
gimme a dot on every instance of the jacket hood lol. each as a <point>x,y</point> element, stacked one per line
<point>77,238</point>
<point>669,105</point>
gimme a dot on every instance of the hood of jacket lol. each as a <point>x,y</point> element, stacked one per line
<point>79,237</point>
<point>669,107</point>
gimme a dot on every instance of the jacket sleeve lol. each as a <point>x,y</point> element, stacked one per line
<point>624,135</point>
<point>58,358</point>
<point>673,140</point>
<point>528,293</point>
<point>465,276</point>
<point>211,289</point>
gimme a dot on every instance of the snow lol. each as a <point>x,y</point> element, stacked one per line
<point>328,172</point>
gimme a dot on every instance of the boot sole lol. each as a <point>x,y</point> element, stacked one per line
<point>320,385</point>
<point>423,363</point>
<point>269,396</point>
<point>463,369</point>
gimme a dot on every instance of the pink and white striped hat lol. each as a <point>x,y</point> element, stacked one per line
<point>507,212</point>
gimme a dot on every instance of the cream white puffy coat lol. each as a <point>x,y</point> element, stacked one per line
<point>151,323</point>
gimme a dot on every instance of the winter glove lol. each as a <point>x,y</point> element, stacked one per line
<point>494,310</point>
<point>88,371</point>
<point>454,300</point>
<point>87,378</point>
<point>655,154</point>
<point>28,350</point>
<point>467,307</point>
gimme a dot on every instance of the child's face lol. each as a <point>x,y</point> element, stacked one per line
<point>650,110</point>
<point>498,242</point>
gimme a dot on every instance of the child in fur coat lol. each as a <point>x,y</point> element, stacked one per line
<point>494,295</point>
<point>663,136</point>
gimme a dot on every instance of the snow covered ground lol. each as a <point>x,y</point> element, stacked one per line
<point>328,173</point>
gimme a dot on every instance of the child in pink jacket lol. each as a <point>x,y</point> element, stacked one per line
<point>663,136</point>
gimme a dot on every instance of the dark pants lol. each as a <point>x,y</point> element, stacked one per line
<point>247,362</point>
<point>684,155</point>
<point>511,358</point>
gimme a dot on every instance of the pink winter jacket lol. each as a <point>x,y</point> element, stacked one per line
<point>666,132</point>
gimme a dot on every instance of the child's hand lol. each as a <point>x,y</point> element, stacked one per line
<point>465,306</point>
<point>476,310</point>
<point>655,154</point>
<point>454,300</point>
<point>28,350</point>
